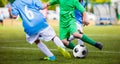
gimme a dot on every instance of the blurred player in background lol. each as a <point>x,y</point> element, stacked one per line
<point>35,26</point>
<point>68,22</point>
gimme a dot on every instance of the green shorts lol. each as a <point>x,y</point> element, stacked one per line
<point>65,32</point>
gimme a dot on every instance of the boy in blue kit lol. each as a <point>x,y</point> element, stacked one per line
<point>35,26</point>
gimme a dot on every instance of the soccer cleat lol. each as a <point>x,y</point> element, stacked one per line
<point>52,58</point>
<point>98,45</point>
<point>64,52</point>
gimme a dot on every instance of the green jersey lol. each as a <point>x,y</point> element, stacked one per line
<point>67,8</point>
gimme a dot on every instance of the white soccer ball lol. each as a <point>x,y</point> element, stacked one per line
<point>80,51</point>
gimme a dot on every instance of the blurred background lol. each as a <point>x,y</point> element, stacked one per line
<point>104,18</point>
<point>99,12</point>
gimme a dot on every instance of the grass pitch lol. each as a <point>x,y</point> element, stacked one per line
<point>15,50</point>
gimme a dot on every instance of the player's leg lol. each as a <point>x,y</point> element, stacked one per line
<point>45,50</point>
<point>72,38</point>
<point>84,38</point>
<point>80,42</point>
<point>88,40</point>
<point>80,30</point>
<point>71,44</point>
<point>41,46</point>
<point>49,34</point>
<point>61,47</point>
<point>58,42</point>
<point>64,35</point>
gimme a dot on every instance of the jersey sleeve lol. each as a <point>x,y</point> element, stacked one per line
<point>52,2</point>
<point>14,11</point>
<point>79,6</point>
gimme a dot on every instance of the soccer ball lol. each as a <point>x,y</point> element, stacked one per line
<point>80,51</point>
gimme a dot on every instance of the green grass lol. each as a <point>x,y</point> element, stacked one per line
<point>15,50</point>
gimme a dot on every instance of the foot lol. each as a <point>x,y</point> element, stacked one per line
<point>99,45</point>
<point>52,58</point>
<point>64,52</point>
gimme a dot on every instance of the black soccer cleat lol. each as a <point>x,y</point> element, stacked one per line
<point>98,45</point>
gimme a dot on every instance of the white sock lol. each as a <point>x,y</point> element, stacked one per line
<point>71,38</point>
<point>58,42</point>
<point>44,49</point>
<point>80,42</point>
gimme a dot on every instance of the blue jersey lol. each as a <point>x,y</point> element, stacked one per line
<point>33,19</point>
<point>78,14</point>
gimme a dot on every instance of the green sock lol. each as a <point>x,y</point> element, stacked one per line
<point>71,45</point>
<point>88,40</point>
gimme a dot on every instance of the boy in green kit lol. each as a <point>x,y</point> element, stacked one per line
<point>67,24</point>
